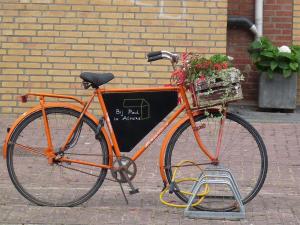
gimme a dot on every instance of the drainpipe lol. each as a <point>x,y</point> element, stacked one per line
<point>243,22</point>
<point>259,12</point>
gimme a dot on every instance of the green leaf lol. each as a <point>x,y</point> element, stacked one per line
<point>270,75</point>
<point>285,55</point>
<point>268,54</point>
<point>287,73</point>
<point>255,56</point>
<point>274,65</point>
<point>295,49</point>
<point>219,58</point>
<point>294,66</point>
<point>284,65</point>
<point>263,65</point>
<point>256,45</point>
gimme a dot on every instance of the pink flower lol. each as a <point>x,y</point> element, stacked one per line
<point>218,66</point>
<point>179,75</point>
<point>224,65</point>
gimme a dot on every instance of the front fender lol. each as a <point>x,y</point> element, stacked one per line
<point>55,105</point>
<point>166,142</point>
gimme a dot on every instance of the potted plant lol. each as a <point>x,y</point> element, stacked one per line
<point>279,67</point>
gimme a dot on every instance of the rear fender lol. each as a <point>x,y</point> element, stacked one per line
<point>55,105</point>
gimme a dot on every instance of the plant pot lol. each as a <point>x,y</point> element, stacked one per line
<point>277,93</point>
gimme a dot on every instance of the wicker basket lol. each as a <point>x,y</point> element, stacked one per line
<point>219,92</point>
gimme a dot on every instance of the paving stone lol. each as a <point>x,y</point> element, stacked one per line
<point>277,203</point>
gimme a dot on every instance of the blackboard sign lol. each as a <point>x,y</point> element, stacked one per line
<point>134,114</point>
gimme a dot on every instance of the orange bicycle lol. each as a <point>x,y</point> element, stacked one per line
<point>70,150</point>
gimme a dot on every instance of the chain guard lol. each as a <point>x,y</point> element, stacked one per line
<point>126,165</point>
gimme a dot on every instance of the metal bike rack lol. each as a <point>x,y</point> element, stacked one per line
<point>220,176</point>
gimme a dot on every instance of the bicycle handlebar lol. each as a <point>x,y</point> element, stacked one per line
<point>153,56</point>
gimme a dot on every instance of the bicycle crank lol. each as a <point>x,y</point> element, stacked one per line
<point>124,172</point>
<point>123,168</point>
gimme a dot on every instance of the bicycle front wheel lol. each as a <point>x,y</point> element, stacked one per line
<point>242,152</point>
<point>58,184</point>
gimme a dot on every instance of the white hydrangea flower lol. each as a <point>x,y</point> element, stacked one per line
<point>230,58</point>
<point>285,49</point>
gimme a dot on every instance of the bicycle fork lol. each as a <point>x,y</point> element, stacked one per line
<point>214,158</point>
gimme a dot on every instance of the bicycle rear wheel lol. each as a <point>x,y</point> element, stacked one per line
<point>242,152</point>
<point>59,184</point>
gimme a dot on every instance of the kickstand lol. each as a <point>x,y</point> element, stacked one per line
<point>126,200</point>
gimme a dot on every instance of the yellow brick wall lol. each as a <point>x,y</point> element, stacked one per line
<point>296,35</point>
<point>46,44</point>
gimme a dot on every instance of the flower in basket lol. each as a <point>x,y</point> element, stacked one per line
<point>196,69</point>
<point>272,59</point>
<point>212,78</point>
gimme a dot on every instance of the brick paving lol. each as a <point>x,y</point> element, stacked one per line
<point>277,203</point>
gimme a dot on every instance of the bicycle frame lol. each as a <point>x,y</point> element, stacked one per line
<point>110,135</point>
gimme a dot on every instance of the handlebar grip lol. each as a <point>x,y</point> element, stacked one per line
<point>152,54</point>
<point>154,58</point>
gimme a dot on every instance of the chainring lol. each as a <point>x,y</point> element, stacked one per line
<point>125,165</point>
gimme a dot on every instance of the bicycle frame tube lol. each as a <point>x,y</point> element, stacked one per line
<point>106,118</point>
<point>163,127</point>
<point>48,151</point>
<point>181,90</point>
<point>122,90</point>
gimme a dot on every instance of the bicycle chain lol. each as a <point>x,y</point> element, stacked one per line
<point>81,171</point>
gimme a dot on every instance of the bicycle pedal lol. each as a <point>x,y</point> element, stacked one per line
<point>134,191</point>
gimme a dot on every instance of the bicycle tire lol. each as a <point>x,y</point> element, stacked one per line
<point>60,184</point>
<point>247,137</point>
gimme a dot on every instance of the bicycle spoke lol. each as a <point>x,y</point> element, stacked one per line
<point>29,149</point>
